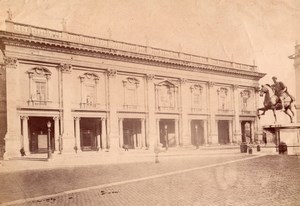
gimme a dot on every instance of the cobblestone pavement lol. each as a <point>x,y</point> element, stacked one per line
<point>267,180</point>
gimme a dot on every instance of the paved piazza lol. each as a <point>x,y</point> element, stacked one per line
<point>202,180</point>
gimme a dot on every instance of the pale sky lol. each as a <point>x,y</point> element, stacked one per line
<point>264,31</point>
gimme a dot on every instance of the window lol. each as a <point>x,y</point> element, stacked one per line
<point>89,84</point>
<point>130,86</point>
<point>222,98</point>
<point>166,95</point>
<point>39,86</point>
<point>196,91</point>
<point>245,97</point>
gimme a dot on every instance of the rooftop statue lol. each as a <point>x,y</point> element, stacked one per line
<point>276,98</point>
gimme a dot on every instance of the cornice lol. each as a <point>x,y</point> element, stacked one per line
<point>34,42</point>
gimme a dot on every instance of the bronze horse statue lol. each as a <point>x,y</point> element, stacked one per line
<point>271,102</point>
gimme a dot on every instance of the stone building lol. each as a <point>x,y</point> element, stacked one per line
<point>101,94</point>
<point>296,58</point>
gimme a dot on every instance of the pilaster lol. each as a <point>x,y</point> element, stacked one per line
<point>185,106</point>
<point>237,124</point>
<point>68,136</point>
<point>212,98</point>
<point>113,93</point>
<point>13,134</point>
<point>151,134</point>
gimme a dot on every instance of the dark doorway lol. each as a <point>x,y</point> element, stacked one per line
<point>197,132</point>
<point>246,131</point>
<point>90,128</point>
<point>132,133</point>
<point>167,132</point>
<point>38,134</point>
<point>223,131</point>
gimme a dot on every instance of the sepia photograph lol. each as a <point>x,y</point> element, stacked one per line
<point>150,102</point>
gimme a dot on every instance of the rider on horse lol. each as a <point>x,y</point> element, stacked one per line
<point>280,90</point>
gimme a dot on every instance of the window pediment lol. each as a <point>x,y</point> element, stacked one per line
<point>39,72</point>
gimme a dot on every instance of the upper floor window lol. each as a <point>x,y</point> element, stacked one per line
<point>130,86</point>
<point>223,98</point>
<point>38,86</point>
<point>196,91</point>
<point>89,84</point>
<point>166,95</point>
<point>245,98</point>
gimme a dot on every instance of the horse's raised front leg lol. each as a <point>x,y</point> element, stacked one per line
<point>259,109</point>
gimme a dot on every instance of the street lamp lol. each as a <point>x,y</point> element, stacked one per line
<point>49,141</point>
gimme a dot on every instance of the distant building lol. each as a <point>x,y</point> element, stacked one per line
<point>296,58</point>
<point>101,94</point>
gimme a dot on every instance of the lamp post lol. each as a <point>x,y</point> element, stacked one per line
<point>49,140</point>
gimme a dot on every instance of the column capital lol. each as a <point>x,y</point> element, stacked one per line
<point>150,77</point>
<point>121,119</point>
<point>10,62</point>
<point>24,117</point>
<point>111,72</point>
<point>65,68</point>
<point>235,86</point>
<point>76,118</point>
<point>183,80</point>
<point>211,84</point>
<point>56,118</point>
<point>103,118</point>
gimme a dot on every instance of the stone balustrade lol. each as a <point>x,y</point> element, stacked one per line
<point>123,46</point>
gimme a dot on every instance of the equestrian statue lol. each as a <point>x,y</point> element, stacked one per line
<point>276,98</point>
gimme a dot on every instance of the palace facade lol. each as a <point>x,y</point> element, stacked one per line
<point>100,94</point>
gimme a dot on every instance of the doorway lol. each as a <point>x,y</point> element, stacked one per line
<point>167,132</point>
<point>223,132</point>
<point>132,136</point>
<point>38,134</point>
<point>90,128</point>
<point>197,132</point>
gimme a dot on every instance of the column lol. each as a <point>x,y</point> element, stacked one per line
<point>205,132</point>
<point>121,138</point>
<point>230,131</point>
<point>252,131</point>
<point>56,133</point>
<point>237,125</point>
<point>157,140</point>
<point>213,132</point>
<point>189,138</point>
<point>13,133</point>
<point>98,135</point>
<point>176,133</point>
<point>152,134</point>
<point>185,93</point>
<point>68,136</point>
<point>143,132</point>
<point>77,134</point>
<point>25,134</point>
<point>113,133</point>
<point>103,133</point>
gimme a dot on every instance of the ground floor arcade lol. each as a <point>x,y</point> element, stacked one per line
<point>93,132</point>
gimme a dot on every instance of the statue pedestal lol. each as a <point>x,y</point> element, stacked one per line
<point>287,133</point>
